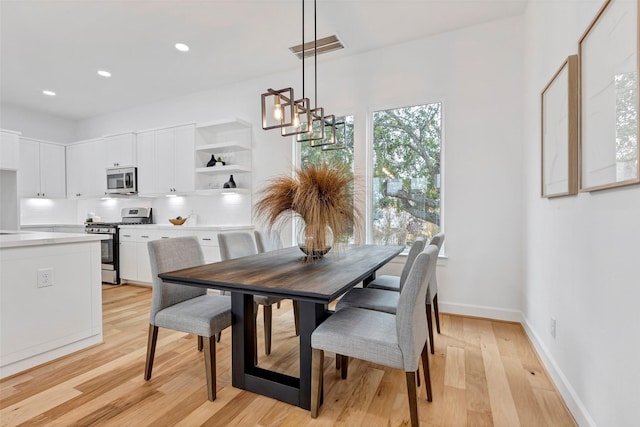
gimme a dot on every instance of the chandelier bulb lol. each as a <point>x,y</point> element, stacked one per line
<point>277,109</point>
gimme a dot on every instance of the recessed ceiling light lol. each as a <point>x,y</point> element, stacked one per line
<point>182,47</point>
<point>104,73</point>
<point>49,92</point>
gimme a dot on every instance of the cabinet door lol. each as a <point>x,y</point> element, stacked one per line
<point>128,259</point>
<point>146,163</point>
<point>52,171</point>
<point>165,160</point>
<point>120,150</point>
<point>86,174</point>
<point>9,150</point>
<point>144,264</point>
<point>29,171</point>
<point>184,158</point>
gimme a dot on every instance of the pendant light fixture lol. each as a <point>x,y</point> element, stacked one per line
<point>296,117</point>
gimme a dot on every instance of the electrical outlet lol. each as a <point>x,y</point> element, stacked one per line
<point>552,327</point>
<point>45,277</point>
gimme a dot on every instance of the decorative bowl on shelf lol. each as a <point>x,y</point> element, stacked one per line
<point>177,221</point>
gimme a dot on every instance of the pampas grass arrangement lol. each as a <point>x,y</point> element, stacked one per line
<point>322,195</point>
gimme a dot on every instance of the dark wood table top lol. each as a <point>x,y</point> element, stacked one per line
<point>282,273</point>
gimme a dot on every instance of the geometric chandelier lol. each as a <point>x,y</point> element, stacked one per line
<point>296,117</point>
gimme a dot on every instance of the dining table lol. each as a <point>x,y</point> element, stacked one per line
<point>283,273</point>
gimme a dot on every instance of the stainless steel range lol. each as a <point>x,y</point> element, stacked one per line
<point>109,248</point>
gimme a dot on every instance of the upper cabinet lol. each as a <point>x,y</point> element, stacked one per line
<point>42,169</point>
<point>165,160</point>
<point>86,172</point>
<point>229,140</point>
<point>119,150</point>
<point>9,149</point>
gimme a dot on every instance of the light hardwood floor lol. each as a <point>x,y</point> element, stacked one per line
<point>483,373</point>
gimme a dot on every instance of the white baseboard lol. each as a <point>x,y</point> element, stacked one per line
<point>573,402</point>
<point>481,311</point>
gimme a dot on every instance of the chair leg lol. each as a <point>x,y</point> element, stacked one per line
<point>338,361</point>
<point>218,336</point>
<point>427,373</point>
<point>437,311</point>
<point>151,351</point>
<point>418,376</point>
<point>430,328</point>
<point>210,366</point>
<point>413,400</point>
<point>267,312</point>
<point>344,366</point>
<point>296,317</point>
<point>200,343</point>
<point>317,369</point>
<point>278,305</point>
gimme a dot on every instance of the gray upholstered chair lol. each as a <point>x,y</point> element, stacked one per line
<point>385,298</point>
<point>184,308</point>
<point>268,240</point>
<point>394,283</point>
<point>239,244</point>
<point>397,341</point>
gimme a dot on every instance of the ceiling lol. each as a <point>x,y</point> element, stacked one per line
<point>59,45</point>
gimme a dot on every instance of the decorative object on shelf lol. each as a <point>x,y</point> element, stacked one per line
<point>221,162</point>
<point>296,117</point>
<point>322,197</point>
<point>177,220</point>
<point>609,129</point>
<point>230,184</point>
<point>212,162</point>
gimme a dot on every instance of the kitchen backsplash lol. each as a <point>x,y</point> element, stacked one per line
<point>231,209</point>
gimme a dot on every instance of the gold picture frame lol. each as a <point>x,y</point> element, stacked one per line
<point>559,132</point>
<point>608,57</point>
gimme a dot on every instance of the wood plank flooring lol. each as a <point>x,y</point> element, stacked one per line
<point>484,373</point>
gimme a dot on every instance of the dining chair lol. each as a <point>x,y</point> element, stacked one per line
<point>241,244</point>
<point>271,241</point>
<point>184,308</point>
<point>397,341</point>
<point>384,301</point>
<point>268,240</point>
<point>394,283</point>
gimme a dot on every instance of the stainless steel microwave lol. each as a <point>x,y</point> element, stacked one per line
<point>122,180</point>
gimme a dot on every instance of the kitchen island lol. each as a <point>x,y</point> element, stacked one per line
<point>50,297</point>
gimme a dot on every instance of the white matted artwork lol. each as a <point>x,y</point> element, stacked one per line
<point>608,53</point>
<point>560,132</point>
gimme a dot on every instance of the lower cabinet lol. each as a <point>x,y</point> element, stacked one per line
<point>135,265</point>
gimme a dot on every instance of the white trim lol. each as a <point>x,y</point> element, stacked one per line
<point>573,402</point>
<point>568,393</point>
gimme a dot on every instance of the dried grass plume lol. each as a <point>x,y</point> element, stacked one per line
<point>321,194</point>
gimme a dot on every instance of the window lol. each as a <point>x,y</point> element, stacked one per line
<point>406,174</point>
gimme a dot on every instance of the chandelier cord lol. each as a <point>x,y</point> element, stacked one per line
<point>303,53</point>
<point>315,52</point>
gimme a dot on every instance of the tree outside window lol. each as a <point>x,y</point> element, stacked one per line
<point>406,174</point>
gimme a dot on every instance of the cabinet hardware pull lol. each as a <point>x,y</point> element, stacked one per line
<point>145,237</point>
<point>205,238</point>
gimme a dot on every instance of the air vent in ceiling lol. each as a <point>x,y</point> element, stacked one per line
<point>324,45</point>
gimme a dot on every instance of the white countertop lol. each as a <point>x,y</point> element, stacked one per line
<point>17,239</point>
<point>188,227</point>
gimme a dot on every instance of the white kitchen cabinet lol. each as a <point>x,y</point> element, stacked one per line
<point>209,243</point>
<point>165,160</point>
<point>119,150</point>
<point>42,169</point>
<point>86,172</point>
<point>231,141</point>
<point>9,150</point>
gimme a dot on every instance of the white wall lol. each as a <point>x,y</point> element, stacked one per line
<point>582,252</point>
<point>37,125</point>
<point>480,86</point>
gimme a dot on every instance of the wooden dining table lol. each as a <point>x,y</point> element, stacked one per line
<point>284,274</point>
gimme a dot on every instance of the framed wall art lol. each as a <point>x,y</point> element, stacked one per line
<point>608,54</point>
<point>559,103</point>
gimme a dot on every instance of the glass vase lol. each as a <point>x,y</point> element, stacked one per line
<point>315,240</point>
